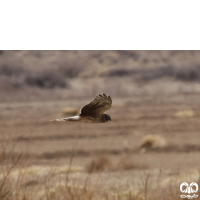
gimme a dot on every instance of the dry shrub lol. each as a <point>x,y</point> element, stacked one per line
<point>27,183</point>
<point>101,163</point>
<point>13,189</point>
<point>183,73</point>
<point>143,74</point>
<point>47,79</point>
<point>10,70</point>
<point>12,77</point>
<point>69,111</point>
<point>10,186</point>
<point>18,77</point>
<point>119,72</point>
<point>153,141</point>
<point>188,73</point>
<point>71,69</point>
<point>5,188</point>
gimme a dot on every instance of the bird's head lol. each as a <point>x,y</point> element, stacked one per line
<point>107,117</point>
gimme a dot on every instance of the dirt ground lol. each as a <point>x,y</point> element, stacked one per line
<point>25,127</point>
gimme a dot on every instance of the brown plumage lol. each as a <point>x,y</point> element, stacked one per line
<point>94,111</point>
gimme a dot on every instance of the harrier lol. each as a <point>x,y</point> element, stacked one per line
<point>94,111</point>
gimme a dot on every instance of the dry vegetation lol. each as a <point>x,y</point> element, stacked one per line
<point>34,75</point>
<point>150,147</point>
<point>49,183</point>
<point>153,141</point>
<point>41,160</point>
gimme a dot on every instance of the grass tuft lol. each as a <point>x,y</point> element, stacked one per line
<point>153,141</point>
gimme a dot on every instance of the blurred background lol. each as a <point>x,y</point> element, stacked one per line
<point>155,118</point>
<point>39,75</point>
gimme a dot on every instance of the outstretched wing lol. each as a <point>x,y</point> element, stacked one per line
<point>98,106</point>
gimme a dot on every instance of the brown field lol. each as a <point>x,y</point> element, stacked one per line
<point>149,148</point>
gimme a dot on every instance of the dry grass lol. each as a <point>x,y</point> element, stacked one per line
<point>71,191</point>
<point>126,162</point>
<point>185,113</point>
<point>21,181</point>
<point>153,141</point>
<point>47,188</point>
<point>103,164</point>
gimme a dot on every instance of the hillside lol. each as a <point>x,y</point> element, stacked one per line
<point>34,75</point>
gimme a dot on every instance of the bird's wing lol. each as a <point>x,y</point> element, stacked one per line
<point>98,106</point>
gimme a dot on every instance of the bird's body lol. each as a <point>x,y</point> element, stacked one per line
<point>93,112</point>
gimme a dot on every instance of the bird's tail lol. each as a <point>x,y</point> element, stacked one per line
<point>75,118</point>
<point>59,120</point>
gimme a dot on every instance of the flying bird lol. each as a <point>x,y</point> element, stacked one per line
<point>94,111</point>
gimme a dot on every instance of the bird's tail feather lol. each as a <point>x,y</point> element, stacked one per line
<point>75,118</point>
<point>59,120</point>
